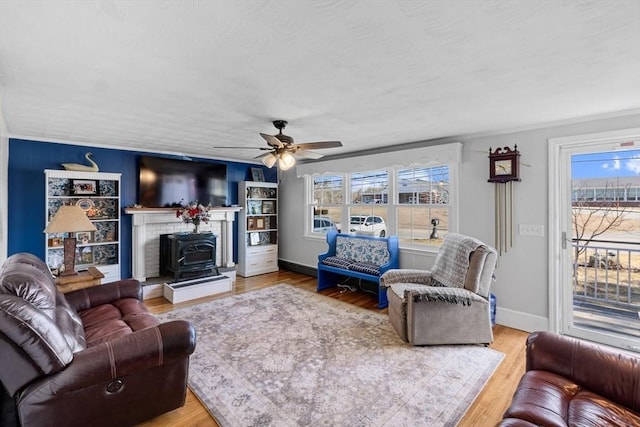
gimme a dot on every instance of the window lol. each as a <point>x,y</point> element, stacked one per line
<point>420,204</point>
<point>369,187</point>
<point>328,198</point>
<point>423,205</point>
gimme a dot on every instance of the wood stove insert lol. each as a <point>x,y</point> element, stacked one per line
<point>192,255</point>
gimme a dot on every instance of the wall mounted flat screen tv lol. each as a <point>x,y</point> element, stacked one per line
<point>165,182</point>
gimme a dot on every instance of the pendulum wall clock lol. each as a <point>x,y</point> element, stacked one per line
<point>504,169</point>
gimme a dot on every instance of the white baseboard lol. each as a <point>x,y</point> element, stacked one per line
<point>152,291</point>
<point>522,321</point>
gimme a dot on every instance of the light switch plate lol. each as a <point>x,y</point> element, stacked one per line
<point>531,230</point>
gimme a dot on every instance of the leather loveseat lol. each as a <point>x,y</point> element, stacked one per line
<point>92,357</point>
<point>570,382</point>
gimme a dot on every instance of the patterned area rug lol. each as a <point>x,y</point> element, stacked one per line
<point>283,356</point>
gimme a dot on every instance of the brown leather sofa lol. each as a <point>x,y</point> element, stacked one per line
<point>571,382</point>
<point>92,357</point>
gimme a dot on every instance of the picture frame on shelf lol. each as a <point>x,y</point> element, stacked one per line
<point>84,237</point>
<point>265,238</point>
<point>254,239</point>
<point>84,187</point>
<point>257,174</point>
<point>260,223</point>
<point>84,255</point>
<point>268,207</point>
<point>251,223</point>
<point>256,193</point>
<point>255,207</point>
<point>55,241</point>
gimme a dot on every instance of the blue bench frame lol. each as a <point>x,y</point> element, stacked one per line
<point>329,276</point>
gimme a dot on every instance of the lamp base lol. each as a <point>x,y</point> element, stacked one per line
<point>69,257</point>
<point>68,273</point>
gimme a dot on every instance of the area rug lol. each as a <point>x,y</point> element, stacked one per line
<point>283,356</point>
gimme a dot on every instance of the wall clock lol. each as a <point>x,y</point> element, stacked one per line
<point>504,164</point>
<point>504,168</point>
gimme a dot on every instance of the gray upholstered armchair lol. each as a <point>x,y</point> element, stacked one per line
<point>448,304</point>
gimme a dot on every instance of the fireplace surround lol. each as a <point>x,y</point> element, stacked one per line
<point>149,223</point>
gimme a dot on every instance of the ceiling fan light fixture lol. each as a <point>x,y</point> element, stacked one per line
<point>286,161</point>
<point>270,160</point>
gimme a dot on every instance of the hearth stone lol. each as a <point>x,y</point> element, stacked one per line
<point>191,289</point>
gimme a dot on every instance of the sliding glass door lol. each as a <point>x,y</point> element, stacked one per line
<point>595,241</point>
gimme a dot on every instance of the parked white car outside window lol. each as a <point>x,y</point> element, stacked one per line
<point>369,225</point>
<point>323,224</point>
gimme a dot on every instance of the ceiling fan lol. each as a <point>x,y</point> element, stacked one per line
<point>284,151</point>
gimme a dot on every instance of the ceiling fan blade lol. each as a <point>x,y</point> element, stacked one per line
<point>319,144</point>
<point>247,148</point>
<point>272,140</point>
<point>264,155</point>
<point>306,154</point>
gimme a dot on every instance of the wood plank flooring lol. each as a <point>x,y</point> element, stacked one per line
<point>487,410</point>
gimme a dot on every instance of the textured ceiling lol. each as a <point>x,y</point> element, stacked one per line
<point>185,76</point>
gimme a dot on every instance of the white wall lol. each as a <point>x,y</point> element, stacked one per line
<point>521,285</point>
<point>4,171</point>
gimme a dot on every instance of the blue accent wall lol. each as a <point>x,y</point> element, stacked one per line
<point>26,195</point>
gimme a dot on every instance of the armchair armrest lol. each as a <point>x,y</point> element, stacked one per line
<point>86,298</point>
<point>405,275</point>
<point>604,371</point>
<point>135,352</point>
<point>422,293</point>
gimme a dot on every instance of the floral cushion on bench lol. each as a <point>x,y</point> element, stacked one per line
<point>368,251</point>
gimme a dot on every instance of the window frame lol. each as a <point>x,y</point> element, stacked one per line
<point>392,204</point>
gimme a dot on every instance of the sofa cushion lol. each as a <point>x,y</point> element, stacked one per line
<point>545,398</point>
<point>542,398</point>
<point>108,321</point>
<point>70,324</point>
<point>30,284</point>
<point>588,408</point>
<point>37,334</point>
<point>28,278</point>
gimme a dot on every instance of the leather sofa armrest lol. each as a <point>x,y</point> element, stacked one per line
<point>135,352</point>
<point>599,369</point>
<point>405,275</point>
<point>83,299</point>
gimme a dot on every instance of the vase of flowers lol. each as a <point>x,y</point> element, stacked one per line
<point>194,213</point>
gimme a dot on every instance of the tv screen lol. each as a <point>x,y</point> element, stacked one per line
<point>168,182</point>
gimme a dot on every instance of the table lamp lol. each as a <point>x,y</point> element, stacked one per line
<point>69,219</point>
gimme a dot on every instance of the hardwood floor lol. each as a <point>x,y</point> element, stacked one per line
<point>487,410</point>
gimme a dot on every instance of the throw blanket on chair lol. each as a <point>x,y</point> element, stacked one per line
<point>452,261</point>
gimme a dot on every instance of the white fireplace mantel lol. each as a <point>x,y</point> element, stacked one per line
<point>149,223</point>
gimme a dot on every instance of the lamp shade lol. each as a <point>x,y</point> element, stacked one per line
<point>286,161</point>
<point>269,160</point>
<point>69,219</point>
